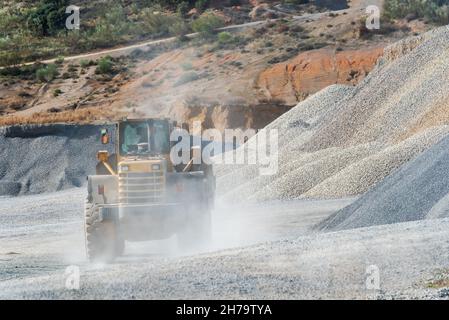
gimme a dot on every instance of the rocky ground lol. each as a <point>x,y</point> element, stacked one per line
<point>42,235</point>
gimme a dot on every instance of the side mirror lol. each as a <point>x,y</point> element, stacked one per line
<point>104,136</point>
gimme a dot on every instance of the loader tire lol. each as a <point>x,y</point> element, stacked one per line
<point>197,234</point>
<point>103,244</point>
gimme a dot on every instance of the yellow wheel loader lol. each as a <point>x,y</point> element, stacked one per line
<point>138,194</point>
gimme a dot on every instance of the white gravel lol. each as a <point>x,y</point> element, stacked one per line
<point>359,176</point>
<point>46,158</point>
<point>352,138</point>
<point>288,265</point>
<point>418,190</point>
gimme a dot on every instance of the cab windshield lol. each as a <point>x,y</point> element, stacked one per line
<point>135,139</point>
<point>144,138</point>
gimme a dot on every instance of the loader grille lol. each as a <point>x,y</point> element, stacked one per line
<point>138,188</point>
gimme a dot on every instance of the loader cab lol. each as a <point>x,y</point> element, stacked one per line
<point>138,143</point>
<point>143,138</point>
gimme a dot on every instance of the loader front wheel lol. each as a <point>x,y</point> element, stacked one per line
<point>103,244</point>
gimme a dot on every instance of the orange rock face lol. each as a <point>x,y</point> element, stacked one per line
<point>311,71</point>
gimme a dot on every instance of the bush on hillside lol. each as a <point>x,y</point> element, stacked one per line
<point>207,24</point>
<point>47,73</point>
<point>105,66</point>
<point>436,11</point>
<point>159,24</point>
<point>201,5</point>
<point>183,8</point>
<point>186,78</point>
<point>48,18</point>
<point>111,26</point>
<point>225,37</point>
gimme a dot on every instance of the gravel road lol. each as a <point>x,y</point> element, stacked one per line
<point>270,253</point>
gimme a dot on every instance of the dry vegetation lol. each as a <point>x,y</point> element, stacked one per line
<point>87,115</point>
<point>155,78</point>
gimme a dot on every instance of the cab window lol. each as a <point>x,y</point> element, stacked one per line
<point>134,139</point>
<point>161,137</point>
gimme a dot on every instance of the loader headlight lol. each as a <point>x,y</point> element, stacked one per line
<point>156,167</point>
<point>124,168</point>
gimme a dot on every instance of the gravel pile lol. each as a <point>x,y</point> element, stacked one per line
<point>391,98</point>
<point>343,140</point>
<point>36,159</point>
<point>418,190</point>
<point>303,178</point>
<point>294,128</point>
<point>357,178</point>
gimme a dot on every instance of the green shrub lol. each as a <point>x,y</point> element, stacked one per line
<point>207,24</point>
<point>10,22</point>
<point>226,40</point>
<point>57,92</point>
<point>183,8</point>
<point>47,73</point>
<point>159,24</point>
<point>105,66</point>
<point>84,64</point>
<point>186,66</point>
<point>225,37</point>
<point>111,27</point>
<point>10,59</point>
<point>15,49</point>
<point>24,72</point>
<point>59,60</point>
<point>436,11</point>
<point>76,40</point>
<point>48,18</point>
<point>201,5</point>
<point>178,28</point>
<point>186,78</point>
